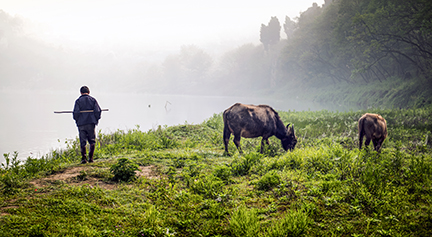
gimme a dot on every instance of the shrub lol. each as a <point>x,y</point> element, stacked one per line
<point>11,183</point>
<point>124,170</point>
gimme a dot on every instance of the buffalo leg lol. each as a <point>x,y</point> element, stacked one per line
<point>237,142</point>
<point>226,137</point>
<point>367,142</point>
<point>375,144</point>
<point>378,144</point>
<point>262,144</point>
<point>360,140</point>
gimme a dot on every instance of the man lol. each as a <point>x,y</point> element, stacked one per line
<point>86,114</point>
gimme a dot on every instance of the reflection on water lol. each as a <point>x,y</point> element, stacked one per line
<point>28,123</point>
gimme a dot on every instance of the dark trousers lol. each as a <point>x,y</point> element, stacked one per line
<point>87,133</point>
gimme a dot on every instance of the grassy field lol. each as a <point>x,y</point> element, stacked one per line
<point>184,185</point>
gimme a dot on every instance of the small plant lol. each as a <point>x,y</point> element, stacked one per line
<point>83,175</point>
<point>223,172</point>
<point>244,223</point>
<point>124,170</point>
<point>11,163</point>
<point>242,166</point>
<point>268,181</point>
<point>292,224</point>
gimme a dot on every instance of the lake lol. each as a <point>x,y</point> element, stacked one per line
<point>29,126</point>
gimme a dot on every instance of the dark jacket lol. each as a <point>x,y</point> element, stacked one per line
<point>86,102</point>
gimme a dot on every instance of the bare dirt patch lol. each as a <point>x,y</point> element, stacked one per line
<point>71,177</point>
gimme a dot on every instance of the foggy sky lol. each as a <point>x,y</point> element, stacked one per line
<point>155,24</point>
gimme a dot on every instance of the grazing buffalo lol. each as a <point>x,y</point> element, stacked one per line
<point>251,121</point>
<point>374,127</point>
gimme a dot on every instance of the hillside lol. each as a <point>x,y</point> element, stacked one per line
<point>187,186</point>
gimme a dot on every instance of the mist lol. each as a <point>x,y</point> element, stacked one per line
<point>132,46</point>
<point>126,51</point>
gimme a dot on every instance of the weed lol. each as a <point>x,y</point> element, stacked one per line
<point>242,165</point>
<point>124,170</point>
<point>244,222</point>
<point>268,181</point>
<point>223,172</point>
<point>292,224</point>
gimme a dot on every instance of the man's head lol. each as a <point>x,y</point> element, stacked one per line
<point>85,90</point>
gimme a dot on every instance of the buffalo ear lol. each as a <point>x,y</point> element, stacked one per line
<point>292,128</point>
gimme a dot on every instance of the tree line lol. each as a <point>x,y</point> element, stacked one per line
<point>342,41</point>
<point>357,41</point>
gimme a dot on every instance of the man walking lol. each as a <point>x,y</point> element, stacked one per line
<point>86,114</point>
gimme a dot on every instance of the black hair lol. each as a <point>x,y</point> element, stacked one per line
<point>84,89</point>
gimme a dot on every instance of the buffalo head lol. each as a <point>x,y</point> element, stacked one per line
<point>289,140</point>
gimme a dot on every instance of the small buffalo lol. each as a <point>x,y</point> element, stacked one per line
<point>250,121</point>
<point>374,127</point>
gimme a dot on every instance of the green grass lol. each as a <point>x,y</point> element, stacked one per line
<point>325,187</point>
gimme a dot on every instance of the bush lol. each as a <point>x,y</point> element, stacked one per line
<point>124,170</point>
<point>11,183</point>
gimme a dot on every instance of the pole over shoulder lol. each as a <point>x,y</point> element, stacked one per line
<point>70,111</point>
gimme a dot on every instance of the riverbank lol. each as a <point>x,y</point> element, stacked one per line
<point>186,186</point>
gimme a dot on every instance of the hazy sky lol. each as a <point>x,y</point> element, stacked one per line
<point>158,22</point>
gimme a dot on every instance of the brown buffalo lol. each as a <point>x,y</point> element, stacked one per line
<point>374,127</point>
<point>251,121</point>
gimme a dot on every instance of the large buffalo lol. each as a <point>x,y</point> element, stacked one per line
<point>251,121</point>
<point>374,127</point>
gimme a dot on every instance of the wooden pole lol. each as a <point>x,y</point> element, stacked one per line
<point>70,112</point>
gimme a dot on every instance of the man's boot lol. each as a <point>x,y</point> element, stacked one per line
<point>83,155</point>
<point>91,152</point>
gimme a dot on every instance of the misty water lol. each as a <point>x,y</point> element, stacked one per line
<point>29,125</point>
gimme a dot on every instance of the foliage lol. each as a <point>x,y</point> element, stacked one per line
<point>373,53</point>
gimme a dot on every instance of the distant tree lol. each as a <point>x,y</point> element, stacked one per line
<point>289,27</point>
<point>195,62</point>
<point>270,34</point>
<point>244,67</point>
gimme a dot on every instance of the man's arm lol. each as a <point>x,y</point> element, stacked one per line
<point>76,111</point>
<point>97,110</point>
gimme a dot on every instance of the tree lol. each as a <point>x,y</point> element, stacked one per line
<point>391,38</point>
<point>270,34</point>
<point>289,27</point>
<point>195,62</point>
